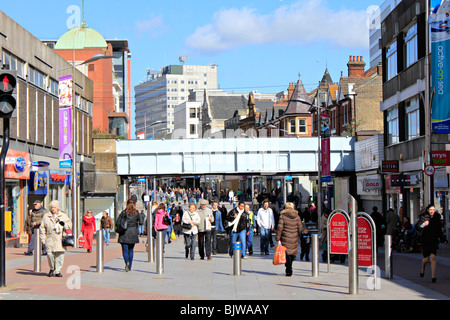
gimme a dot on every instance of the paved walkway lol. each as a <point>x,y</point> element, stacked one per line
<point>212,280</point>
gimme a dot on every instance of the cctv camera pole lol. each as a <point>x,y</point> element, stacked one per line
<point>5,147</point>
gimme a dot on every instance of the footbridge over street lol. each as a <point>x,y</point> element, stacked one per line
<point>238,156</point>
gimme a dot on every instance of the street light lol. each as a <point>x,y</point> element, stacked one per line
<point>313,108</point>
<point>75,213</point>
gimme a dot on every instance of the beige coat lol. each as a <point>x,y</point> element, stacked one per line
<point>187,218</point>
<point>53,240</point>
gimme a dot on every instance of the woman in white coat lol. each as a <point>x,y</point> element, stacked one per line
<point>192,219</point>
<point>54,224</point>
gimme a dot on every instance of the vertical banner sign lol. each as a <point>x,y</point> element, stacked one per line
<point>365,243</point>
<point>326,161</point>
<point>440,66</point>
<point>65,122</point>
<point>338,234</point>
<point>325,147</point>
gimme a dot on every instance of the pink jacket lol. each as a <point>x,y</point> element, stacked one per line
<point>159,220</point>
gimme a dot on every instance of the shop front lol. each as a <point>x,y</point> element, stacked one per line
<point>16,174</point>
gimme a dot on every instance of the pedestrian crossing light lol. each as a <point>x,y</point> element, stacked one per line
<point>8,93</point>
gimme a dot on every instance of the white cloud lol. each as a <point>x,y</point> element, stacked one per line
<point>303,22</point>
<point>152,27</point>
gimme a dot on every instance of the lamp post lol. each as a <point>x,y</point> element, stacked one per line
<point>75,213</point>
<point>313,108</point>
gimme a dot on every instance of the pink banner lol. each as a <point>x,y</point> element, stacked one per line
<point>65,138</point>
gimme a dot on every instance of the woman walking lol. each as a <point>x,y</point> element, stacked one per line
<point>53,226</point>
<point>431,232</point>
<point>192,219</point>
<point>288,232</point>
<point>88,230</point>
<point>160,225</point>
<point>129,237</point>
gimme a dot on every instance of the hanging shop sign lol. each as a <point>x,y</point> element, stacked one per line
<point>390,166</point>
<point>16,165</point>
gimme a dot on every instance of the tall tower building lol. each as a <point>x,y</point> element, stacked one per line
<point>157,97</point>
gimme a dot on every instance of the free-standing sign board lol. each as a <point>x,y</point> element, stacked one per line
<point>338,234</point>
<point>365,242</point>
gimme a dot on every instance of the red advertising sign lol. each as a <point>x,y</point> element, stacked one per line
<point>365,243</point>
<point>441,158</point>
<point>339,234</point>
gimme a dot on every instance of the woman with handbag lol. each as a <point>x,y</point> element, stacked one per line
<point>162,219</point>
<point>127,226</point>
<point>88,230</point>
<point>53,226</point>
<point>288,232</point>
<point>190,221</point>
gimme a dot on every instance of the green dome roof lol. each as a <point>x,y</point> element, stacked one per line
<point>81,37</point>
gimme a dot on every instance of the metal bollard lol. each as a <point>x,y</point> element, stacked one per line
<point>237,261</point>
<point>388,256</point>
<point>37,251</point>
<point>160,252</point>
<point>315,255</point>
<point>353,275</point>
<point>100,252</point>
<point>151,250</point>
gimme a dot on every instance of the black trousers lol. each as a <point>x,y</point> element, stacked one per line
<point>204,244</point>
<point>289,260</point>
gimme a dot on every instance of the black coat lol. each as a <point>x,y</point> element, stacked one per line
<point>130,235</point>
<point>431,234</point>
<point>243,221</point>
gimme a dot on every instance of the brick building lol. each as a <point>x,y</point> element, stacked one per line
<point>354,103</point>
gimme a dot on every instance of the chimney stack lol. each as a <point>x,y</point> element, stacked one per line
<point>356,67</point>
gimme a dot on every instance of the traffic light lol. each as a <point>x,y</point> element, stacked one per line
<point>8,93</point>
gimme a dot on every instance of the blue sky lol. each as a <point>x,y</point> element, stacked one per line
<point>258,45</point>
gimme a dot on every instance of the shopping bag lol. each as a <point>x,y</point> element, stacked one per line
<point>81,241</point>
<point>173,236</point>
<point>23,238</point>
<point>279,256</point>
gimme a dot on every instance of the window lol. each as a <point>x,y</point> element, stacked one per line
<point>13,62</point>
<point>36,77</point>
<point>192,128</point>
<point>292,126</point>
<point>413,116</point>
<point>192,113</point>
<point>53,88</point>
<point>410,46</point>
<point>302,125</point>
<point>392,120</point>
<point>391,60</point>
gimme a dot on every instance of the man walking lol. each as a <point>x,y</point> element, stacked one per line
<point>266,224</point>
<point>107,225</point>
<point>204,230</point>
<point>36,218</point>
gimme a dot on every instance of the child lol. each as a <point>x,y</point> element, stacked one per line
<point>305,243</point>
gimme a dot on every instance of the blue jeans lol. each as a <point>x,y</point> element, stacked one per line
<point>128,253</point>
<point>250,241</point>
<point>106,234</point>
<point>265,235</point>
<point>241,236</point>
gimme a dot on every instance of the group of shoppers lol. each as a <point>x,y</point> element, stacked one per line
<point>204,223</point>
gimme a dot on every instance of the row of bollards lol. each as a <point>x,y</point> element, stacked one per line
<point>237,256</point>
